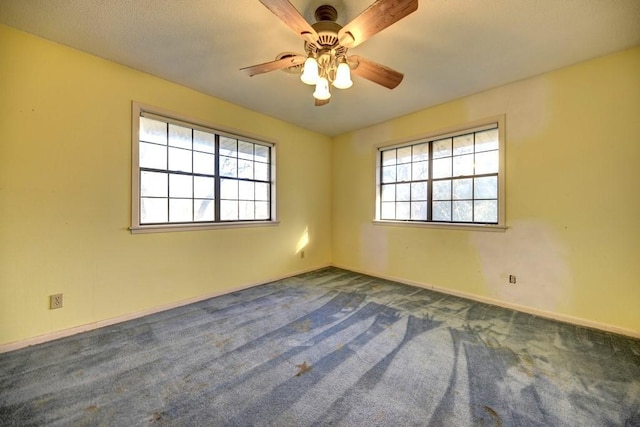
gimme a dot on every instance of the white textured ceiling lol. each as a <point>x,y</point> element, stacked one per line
<point>447,49</point>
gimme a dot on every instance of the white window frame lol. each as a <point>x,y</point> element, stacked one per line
<point>138,109</point>
<point>499,122</point>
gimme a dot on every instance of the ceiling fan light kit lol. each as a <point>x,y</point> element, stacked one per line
<point>326,43</point>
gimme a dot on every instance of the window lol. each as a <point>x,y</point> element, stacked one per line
<point>188,176</point>
<point>452,178</point>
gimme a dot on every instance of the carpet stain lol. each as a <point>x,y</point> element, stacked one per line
<point>157,416</point>
<point>222,343</point>
<point>527,364</point>
<point>379,416</point>
<point>302,368</point>
<point>92,408</point>
<point>494,415</point>
<point>302,326</point>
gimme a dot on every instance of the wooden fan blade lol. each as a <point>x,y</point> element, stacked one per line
<point>278,64</point>
<point>374,19</point>
<point>375,72</point>
<point>321,102</point>
<point>292,18</point>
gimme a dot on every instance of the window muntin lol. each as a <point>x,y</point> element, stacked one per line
<point>188,174</point>
<point>447,179</point>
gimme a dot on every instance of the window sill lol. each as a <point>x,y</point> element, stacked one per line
<point>443,225</point>
<point>168,228</point>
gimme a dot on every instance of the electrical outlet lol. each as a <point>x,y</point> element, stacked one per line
<point>512,279</point>
<point>55,301</point>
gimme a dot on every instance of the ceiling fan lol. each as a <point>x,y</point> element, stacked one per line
<point>325,61</point>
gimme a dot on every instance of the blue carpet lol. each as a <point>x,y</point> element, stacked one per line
<point>330,347</point>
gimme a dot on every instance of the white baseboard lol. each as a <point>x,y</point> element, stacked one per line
<point>130,316</point>
<point>522,308</point>
<point>16,345</point>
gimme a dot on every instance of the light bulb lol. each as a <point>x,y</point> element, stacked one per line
<point>343,76</point>
<point>322,89</point>
<point>310,71</point>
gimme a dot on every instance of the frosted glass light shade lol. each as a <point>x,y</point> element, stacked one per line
<point>310,72</point>
<point>343,76</point>
<point>322,89</point>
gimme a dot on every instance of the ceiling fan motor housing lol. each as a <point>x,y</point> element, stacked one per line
<point>327,30</point>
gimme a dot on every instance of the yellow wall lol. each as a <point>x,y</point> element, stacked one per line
<point>65,195</point>
<point>573,211</point>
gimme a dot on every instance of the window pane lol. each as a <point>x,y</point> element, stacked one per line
<point>153,131</point>
<point>153,184</point>
<point>420,171</point>
<point>262,153</point>
<point>487,140</point>
<point>462,189</point>
<point>262,191</point>
<point>442,190</point>
<point>419,211</point>
<point>261,171</point>
<point>487,162</point>
<point>403,172</point>
<point>228,167</point>
<point>177,170</point>
<point>403,192</point>
<point>229,189</point>
<point>228,210</point>
<point>153,210</point>
<point>462,211</point>
<point>485,211</point>
<point>245,150</point>
<point>262,210</point>
<point>389,174</point>
<point>388,193</point>
<point>203,187</point>
<point>463,144</point>
<point>204,163</point>
<point>228,147</point>
<point>442,168</point>
<point>153,156</point>
<point>245,190</point>
<point>421,152</point>
<point>449,177</point>
<point>180,160</point>
<point>419,191</point>
<point>442,148</point>
<point>180,186</point>
<point>404,155</point>
<point>245,169</point>
<point>203,210</point>
<point>486,187</point>
<point>388,157</point>
<point>204,141</point>
<point>403,210</point>
<point>388,210</point>
<point>463,165</point>
<point>246,210</point>
<point>442,211</point>
<point>180,210</point>
<point>179,136</point>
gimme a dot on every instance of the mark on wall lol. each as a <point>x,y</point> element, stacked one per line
<point>525,103</point>
<point>373,248</point>
<point>532,251</point>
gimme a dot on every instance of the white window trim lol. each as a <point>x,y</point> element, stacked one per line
<point>136,227</point>
<point>500,120</point>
